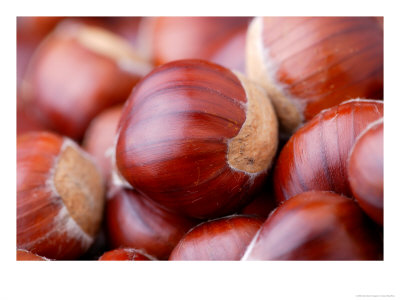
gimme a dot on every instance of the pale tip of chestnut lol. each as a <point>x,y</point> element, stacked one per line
<point>78,182</point>
<point>254,147</point>
<point>105,43</point>
<point>260,68</point>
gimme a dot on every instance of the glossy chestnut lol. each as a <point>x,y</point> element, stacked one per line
<point>132,220</point>
<point>196,138</point>
<point>315,157</point>
<point>78,71</point>
<point>365,170</point>
<point>60,196</point>
<point>100,138</point>
<point>27,255</point>
<point>174,38</point>
<point>222,239</point>
<point>125,254</point>
<point>308,64</point>
<point>317,225</point>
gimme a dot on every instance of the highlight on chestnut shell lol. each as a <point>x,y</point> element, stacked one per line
<point>133,220</point>
<point>78,71</point>
<point>317,225</point>
<point>315,157</point>
<point>196,138</point>
<point>365,170</point>
<point>60,196</point>
<point>226,238</point>
<point>125,254</point>
<point>308,64</point>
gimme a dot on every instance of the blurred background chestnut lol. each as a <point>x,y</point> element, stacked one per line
<point>218,39</point>
<point>222,239</point>
<point>308,64</point>
<point>365,170</point>
<point>78,71</point>
<point>30,32</point>
<point>100,138</point>
<point>317,225</point>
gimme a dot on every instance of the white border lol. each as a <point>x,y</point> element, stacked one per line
<point>205,280</point>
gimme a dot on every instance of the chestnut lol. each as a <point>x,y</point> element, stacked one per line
<point>27,255</point>
<point>60,196</point>
<point>317,225</point>
<point>222,239</point>
<point>196,138</point>
<point>100,137</point>
<point>230,51</point>
<point>125,254</point>
<point>315,157</point>
<point>134,221</point>
<point>174,38</point>
<point>78,71</point>
<point>365,170</point>
<point>30,32</point>
<point>308,64</point>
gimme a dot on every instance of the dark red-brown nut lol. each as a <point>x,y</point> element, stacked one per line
<point>308,64</point>
<point>27,255</point>
<point>78,71</point>
<point>132,220</point>
<point>100,138</point>
<point>222,239</point>
<point>317,226</point>
<point>125,254</point>
<point>174,38</point>
<point>365,170</point>
<point>315,157</point>
<point>196,138</point>
<point>60,196</point>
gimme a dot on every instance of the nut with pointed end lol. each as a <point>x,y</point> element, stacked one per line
<point>315,157</point>
<point>222,239</point>
<point>78,71</point>
<point>308,64</point>
<point>317,226</point>
<point>365,170</point>
<point>60,196</point>
<point>196,138</point>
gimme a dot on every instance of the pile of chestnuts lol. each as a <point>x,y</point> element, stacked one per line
<point>200,138</point>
